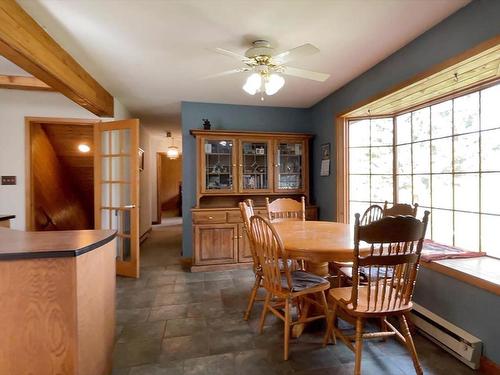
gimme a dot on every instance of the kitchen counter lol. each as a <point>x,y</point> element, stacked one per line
<point>58,302</point>
<point>16,244</point>
<point>5,220</point>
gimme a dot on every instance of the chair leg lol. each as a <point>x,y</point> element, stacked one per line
<point>358,346</point>
<point>410,345</point>
<point>329,321</point>
<point>287,328</point>
<point>253,295</point>
<point>264,312</point>
<point>331,325</point>
<point>383,327</point>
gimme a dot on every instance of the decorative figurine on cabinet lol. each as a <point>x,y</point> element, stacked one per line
<point>206,124</point>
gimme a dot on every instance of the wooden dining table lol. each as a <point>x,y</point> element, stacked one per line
<point>319,242</point>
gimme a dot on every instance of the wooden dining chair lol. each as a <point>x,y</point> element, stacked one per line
<point>247,211</point>
<point>284,288</point>
<point>391,270</point>
<point>342,270</point>
<point>400,209</point>
<point>286,209</point>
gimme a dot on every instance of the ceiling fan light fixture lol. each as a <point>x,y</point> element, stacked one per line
<point>253,84</point>
<point>273,84</point>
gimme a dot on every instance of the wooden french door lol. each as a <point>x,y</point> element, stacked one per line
<point>116,168</point>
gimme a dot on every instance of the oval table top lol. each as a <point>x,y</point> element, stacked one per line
<point>319,241</point>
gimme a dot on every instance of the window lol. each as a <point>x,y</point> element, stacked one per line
<point>445,157</point>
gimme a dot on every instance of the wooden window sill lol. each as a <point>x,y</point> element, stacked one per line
<point>481,272</point>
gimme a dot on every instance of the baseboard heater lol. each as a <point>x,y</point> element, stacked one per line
<point>461,344</point>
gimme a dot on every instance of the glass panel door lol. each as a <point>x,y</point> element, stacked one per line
<point>255,166</point>
<point>218,165</point>
<point>290,165</point>
<point>117,173</point>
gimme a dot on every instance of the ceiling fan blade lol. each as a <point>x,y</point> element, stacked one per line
<point>295,53</point>
<point>307,74</point>
<point>232,54</point>
<point>226,73</point>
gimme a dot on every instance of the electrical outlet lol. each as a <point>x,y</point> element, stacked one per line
<point>8,180</point>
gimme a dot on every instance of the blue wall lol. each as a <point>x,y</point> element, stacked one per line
<point>463,30</point>
<point>227,117</point>
<point>475,310</point>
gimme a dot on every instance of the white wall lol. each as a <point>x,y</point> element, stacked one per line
<point>15,105</point>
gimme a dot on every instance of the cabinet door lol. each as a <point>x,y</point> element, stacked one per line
<point>244,252</point>
<point>290,167</point>
<point>217,165</point>
<point>215,244</point>
<point>255,165</point>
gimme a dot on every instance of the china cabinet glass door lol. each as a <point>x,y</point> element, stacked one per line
<point>289,166</point>
<point>218,165</point>
<point>255,166</point>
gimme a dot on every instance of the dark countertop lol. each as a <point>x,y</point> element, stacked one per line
<point>16,244</point>
<point>6,217</point>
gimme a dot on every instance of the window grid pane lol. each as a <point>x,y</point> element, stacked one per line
<point>447,159</point>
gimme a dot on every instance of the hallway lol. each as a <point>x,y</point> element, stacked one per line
<point>175,322</point>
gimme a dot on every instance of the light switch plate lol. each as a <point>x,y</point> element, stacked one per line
<point>8,180</point>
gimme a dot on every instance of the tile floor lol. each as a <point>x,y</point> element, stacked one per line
<point>179,323</point>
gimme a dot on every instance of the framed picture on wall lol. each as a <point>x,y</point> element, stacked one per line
<point>141,159</point>
<point>325,159</point>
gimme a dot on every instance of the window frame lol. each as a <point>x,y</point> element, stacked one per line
<point>342,153</point>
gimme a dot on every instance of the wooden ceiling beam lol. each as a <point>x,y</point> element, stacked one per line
<point>23,83</point>
<point>26,44</point>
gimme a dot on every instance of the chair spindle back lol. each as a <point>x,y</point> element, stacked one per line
<point>372,213</point>
<point>400,209</point>
<point>286,209</point>
<point>392,266</point>
<point>247,211</point>
<point>269,250</point>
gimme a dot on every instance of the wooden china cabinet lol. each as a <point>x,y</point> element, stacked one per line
<point>233,166</point>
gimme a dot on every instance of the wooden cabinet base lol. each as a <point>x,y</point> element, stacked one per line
<point>58,314</point>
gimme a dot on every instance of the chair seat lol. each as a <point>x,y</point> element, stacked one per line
<point>339,294</point>
<point>302,280</point>
<point>365,274</point>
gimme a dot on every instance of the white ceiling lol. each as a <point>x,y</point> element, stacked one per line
<point>151,54</point>
<point>10,69</point>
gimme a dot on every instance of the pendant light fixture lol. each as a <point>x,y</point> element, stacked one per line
<point>172,151</point>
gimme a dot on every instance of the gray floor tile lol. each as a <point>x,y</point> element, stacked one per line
<point>135,315</point>
<point>167,312</point>
<point>173,368</point>
<point>185,326</point>
<point>182,347</point>
<point>222,364</point>
<point>136,353</point>
<point>143,331</point>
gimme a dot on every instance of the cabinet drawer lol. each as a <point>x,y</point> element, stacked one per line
<point>218,217</point>
<point>234,217</point>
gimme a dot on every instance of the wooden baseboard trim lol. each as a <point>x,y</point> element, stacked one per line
<point>145,235</point>
<point>221,267</point>
<point>488,367</point>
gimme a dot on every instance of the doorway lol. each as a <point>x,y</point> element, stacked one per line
<point>84,174</point>
<point>169,188</point>
<point>60,174</point>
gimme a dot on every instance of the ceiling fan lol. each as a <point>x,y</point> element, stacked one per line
<point>267,67</point>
